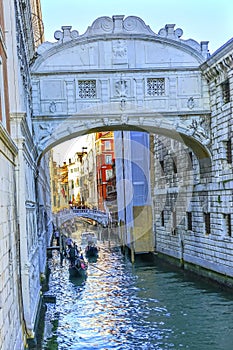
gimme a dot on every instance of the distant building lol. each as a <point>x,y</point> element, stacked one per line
<point>104,164</point>
<point>132,151</point>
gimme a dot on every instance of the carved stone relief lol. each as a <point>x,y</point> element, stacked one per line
<point>66,34</point>
<point>121,88</point>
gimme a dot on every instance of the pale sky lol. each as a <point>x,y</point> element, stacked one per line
<point>201,20</point>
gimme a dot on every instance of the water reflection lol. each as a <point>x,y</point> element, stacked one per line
<point>145,306</point>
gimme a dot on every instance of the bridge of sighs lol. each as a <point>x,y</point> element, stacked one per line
<point>120,74</point>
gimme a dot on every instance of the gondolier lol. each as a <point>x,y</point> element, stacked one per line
<point>72,254</point>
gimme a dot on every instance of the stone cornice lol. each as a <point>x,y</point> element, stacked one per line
<point>24,132</point>
<point>6,139</point>
<point>220,63</point>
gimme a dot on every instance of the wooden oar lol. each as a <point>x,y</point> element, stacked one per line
<point>101,269</point>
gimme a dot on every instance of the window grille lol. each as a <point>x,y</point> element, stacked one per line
<point>87,88</point>
<point>228,224</point>
<point>229,151</point>
<point>155,86</point>
<point>162,218</point>
<point>174,165</point>
<point>226,91</point>
<point>190,161</point>
<point>207,223</point>
<point>174,222</point>
<point>189,221</point>
<point>161,162</point>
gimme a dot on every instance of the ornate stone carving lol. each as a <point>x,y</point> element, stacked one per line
<point>191,103</point>
<point>136,25</point>
<point>141,120</point>
<point>121,88</point>
<point>52,107</point>
<point>123,104</point>
<point>106,121</point>
<point>175,34</point>
<point>99,26</point>
<point>124,119</point>
<point>200,129</point>
<point>117,24</point>
<point>45,131</point>
<point>66,34</point>
<point>169,32</point>
<point>119,49</point>
<point>218,71</point>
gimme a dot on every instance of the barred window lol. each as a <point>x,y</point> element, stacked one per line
<point>227,218</point>
<point>229,151</point>
<point>226,91</point>
<point>155,86</point>
<point>162,218</point>
<point>161,162</point>
<point>174,164</point>
<point>207,223</point>
<point>190,161</point>
<point>87,88</point>
<point>174,222</point>
<point>189,221</point>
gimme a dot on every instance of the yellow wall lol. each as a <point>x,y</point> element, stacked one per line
<point>143,238</point>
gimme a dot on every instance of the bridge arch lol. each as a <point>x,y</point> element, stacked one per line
<point>121,75</point>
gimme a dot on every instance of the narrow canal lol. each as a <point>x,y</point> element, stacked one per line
<point>147,305</point>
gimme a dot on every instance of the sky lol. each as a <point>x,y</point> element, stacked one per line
<point>201,20</point>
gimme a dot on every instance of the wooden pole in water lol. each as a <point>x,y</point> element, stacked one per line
<point>132,246</point>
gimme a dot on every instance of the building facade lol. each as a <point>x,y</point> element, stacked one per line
<point>104,145</point>
<point>133,184</point>
<point>181,94</point>
<point>26,223</point>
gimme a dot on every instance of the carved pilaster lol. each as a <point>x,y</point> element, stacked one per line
<point>139,91</point>
<point>70,92</point>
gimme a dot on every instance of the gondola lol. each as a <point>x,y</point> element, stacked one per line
<point>78,269</point>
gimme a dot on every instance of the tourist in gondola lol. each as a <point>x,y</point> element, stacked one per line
<point>69,242</point>
<point>57,237</point>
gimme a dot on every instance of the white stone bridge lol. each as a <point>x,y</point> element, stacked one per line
<point>97,215</point>
<point>68,215</point>
<point>121,75</point>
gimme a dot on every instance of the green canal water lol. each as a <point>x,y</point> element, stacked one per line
<point>148,305</point>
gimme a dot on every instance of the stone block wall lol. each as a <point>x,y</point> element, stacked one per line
<point>202,236</point>
<point>10,304</point>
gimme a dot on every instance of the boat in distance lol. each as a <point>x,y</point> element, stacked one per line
<point>88,238</point>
